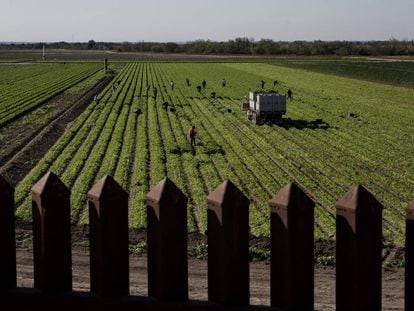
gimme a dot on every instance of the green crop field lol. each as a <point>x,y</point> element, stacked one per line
<point>394,72</point>
<point>25,87</point>
<point>367,138</point>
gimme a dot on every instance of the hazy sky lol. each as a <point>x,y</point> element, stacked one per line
<point>182,20</point>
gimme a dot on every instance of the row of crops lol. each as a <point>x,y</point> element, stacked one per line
<point>25,87</point>
<point>392,72</point>
<point>367,139</point>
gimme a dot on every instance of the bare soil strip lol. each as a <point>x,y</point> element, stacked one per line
<point>392,284</point>
<point>34,149</point>
<point>392,289</point>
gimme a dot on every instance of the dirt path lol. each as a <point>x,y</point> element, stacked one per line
<point>393,285</point>
<point>36,142</point>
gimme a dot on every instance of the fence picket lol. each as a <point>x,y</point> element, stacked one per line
<point>228,245</point>
<point>51,235</point>
<point>358,251</point>
<point>108,225</point>
<point>292,264</point>
<point>7,236</point>
<point>167,242</point>
<point>409,257</point>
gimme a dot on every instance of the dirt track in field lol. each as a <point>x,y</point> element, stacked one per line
<point>22,156</point>
<point>393,280</point>
<point>393,285</point>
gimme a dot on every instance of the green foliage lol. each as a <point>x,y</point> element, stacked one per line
<point>26,88</point>
<point>374,149</point>
<point>139,248</point>
<point>390,72</point>
<point>199,251</point>
<point>326,260</point>
<point>258,254</point>
<point>244,46</point>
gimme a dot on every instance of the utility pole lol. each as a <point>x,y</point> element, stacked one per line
<point>105,65</point>
<point>43,54</point>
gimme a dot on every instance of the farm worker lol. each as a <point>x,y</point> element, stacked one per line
<point>223,82</point>
<point>155,92</point>
<point>262,83</point>
<point>191,135</point>
<point>289,93</point>
<point>165,105</point>
<point>172,84</point>
<point>199,88</point>
<point>187,81</point>
<point>148,88</point>
<point>274,83</point>
<point>203,84</point>
<point>113,88</point>
<point>95,99</point>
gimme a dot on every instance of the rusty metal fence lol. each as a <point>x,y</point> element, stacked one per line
<point>358,250</point>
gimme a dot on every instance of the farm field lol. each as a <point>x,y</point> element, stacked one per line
<point>23,88</point>
<point>366,139</point>
<point>392,71</point>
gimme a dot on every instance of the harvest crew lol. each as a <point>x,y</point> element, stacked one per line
<point>191,135</point>
<point>203,84</point>
<point>172,84</point>
<point>289,93</point>
<point>223,82</point>
<point>262,83</point>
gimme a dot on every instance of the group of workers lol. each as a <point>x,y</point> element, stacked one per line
<point>191,131</point>
<point>275,82</point>
<point>262,83</point>
<point>201,86</point>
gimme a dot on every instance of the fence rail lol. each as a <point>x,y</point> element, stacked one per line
<point>358,250</point>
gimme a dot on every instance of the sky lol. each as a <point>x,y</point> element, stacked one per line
<point>217,20</point>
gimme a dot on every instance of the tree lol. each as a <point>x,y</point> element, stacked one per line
<point>171,47</point>
<point>91,44</point>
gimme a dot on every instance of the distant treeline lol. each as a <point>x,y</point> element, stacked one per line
<point>241,46</point>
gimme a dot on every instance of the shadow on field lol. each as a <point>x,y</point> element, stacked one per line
<point>304,124</point>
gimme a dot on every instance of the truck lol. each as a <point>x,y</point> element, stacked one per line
<point>265,107</point>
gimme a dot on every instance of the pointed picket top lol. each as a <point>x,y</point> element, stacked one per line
<point>49,185</point>
<point>410,206</point>
<point>165,190</point>
<point>410,209</point>
<point>104,188</point>
<point>359,198</point>
<point>5,187</point>
<point>292,197</point>
<point>226,194</point>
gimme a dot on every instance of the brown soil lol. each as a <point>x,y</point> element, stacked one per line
<point>17,134</point>
<point>393,256</point>
<point>393,285</point>
<point>24,145</point>
<point>393,279</point>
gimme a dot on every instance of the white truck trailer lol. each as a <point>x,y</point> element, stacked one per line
<point>265,107</point>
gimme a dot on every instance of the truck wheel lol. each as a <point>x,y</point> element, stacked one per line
<point>254,118</point>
